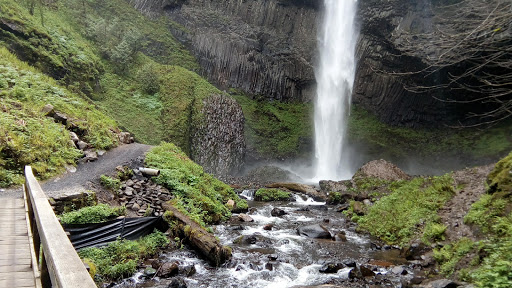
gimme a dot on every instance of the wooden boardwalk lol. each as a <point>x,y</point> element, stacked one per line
<point>15,257</point>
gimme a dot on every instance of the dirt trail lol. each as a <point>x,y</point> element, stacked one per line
<point>452,214</point>
<point>86,172</point>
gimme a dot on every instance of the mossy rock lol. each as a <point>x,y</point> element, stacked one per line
<point>500,178</point>
<point>271,194</point>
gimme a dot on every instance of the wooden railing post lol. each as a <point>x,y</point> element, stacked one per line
<point>59,262</point>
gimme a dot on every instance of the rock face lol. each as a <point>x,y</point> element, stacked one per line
<point>262,47</point>
<point>218,143</point>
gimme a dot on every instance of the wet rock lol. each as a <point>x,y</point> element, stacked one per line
<point>245,218</point>
<point>168,269</point>
<point>366,272</point>
<point>340,236</point>
<point>302,188</point>
<point>149,271</point>
<point>276,212</point>
<point>417,280</point>
<point>268,227</point>
<point>314,231</point>
<point>188,270</point>
<point>177,282</point>
<point>415,251</point>
<point>246,239</point>
<point>269,266</point>
<point>441,283</point>
<point>380,263</point>
<point>273,257</point>
<point>230,204</point>
<point>331,267</point>
<point>60,118</point>
<point>399,270</point>
<point>349,263</point>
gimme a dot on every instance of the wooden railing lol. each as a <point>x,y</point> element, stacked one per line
<point>55,260</point>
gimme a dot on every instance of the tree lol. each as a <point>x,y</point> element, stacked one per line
<point>470,46</point>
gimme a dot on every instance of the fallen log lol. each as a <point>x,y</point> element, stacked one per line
<point>200,239</point>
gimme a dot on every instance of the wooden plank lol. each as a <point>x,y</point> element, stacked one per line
<point>16,261</point>
<point>17,283</point>
<point>15,268</point>
<point>19,275</point>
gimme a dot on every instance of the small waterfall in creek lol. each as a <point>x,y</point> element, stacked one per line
<point>335,78</point>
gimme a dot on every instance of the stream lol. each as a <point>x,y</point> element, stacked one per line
<point>280,257</point>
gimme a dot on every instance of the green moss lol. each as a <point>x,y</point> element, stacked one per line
<point>28,137</point>
<point>500,178</point>
<point>397,218</point>
<point>120,258</point>
<point>93,214</point>
<point>271,194</point>
<point>396,142</point>
<point>277,129</point>
<point>197,194</point>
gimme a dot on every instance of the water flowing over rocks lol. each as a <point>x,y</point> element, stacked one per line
<point>218,143</point>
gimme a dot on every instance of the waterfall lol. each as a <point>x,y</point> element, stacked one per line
<point>335,78</point>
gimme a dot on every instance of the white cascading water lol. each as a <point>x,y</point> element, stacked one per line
<point>335,78</point>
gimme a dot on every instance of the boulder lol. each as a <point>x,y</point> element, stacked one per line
<point>177,282</point>
<point>314,231</point>
<point>441,283</point>
<point>245,218</point>
<point>90,156</point>
<point>74,137</point>
<point>60,118</point>
<point>335,186</point>
<point>380,169</point>
<point>268,227</point>
<point>331,267</point>
<point>188,270</point>
<point>149,271</point>
<point>358,208</point>
<point>48,110</point>
<point>168,269</point>
<point>302,188</point>
<point>125,138</point>
<point>81,145</point>
<point>276,212</point>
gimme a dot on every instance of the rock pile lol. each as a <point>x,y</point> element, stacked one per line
<point>143,197</point>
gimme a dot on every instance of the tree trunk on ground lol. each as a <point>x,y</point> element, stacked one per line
<point>200,239</point>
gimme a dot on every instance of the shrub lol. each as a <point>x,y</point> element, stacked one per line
<point>110,183</point>
<point>92,214</point>
<point>433,232</point>
<point>120,258</point>
<point>272,194</point>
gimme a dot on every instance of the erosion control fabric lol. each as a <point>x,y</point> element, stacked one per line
<point>100,234</point>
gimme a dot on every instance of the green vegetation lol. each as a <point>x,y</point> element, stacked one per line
<point>449,255</point>
<point>271,194</point>
<point>412,205</point>
<point>28,137</point>
<point>110,183</point>
<point>396,142</point>
<point>277,129</point>
<point>197,194</point>
<point>433,232</point>
<point>500,179</point>
<point>92,214</point>
<point>120,258</point>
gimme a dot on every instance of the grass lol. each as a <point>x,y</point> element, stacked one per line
<point>271,194</point>
<point>197,194</point>
<point>277,129</point>
<point>400,216</point>
<point>92,214</point>
<point>120,258</point>
<point>28,137</point>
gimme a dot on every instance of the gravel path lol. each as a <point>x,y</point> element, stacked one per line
<point>85,173</point>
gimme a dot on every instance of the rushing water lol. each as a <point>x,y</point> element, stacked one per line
<point>335,78</point>
<point>279,257</point>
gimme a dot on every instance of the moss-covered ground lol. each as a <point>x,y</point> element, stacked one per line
<point>28,137</point>
<point>271,194</point>
<point>197,194</point>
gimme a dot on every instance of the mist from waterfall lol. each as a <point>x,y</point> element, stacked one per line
<point>335,78</point>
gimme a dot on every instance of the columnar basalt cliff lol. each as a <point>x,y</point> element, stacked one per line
<point>268,48</point>
<point>218,143</point>
<point>263,47</point>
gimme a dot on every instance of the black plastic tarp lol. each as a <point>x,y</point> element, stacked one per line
<point>88,235</point>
